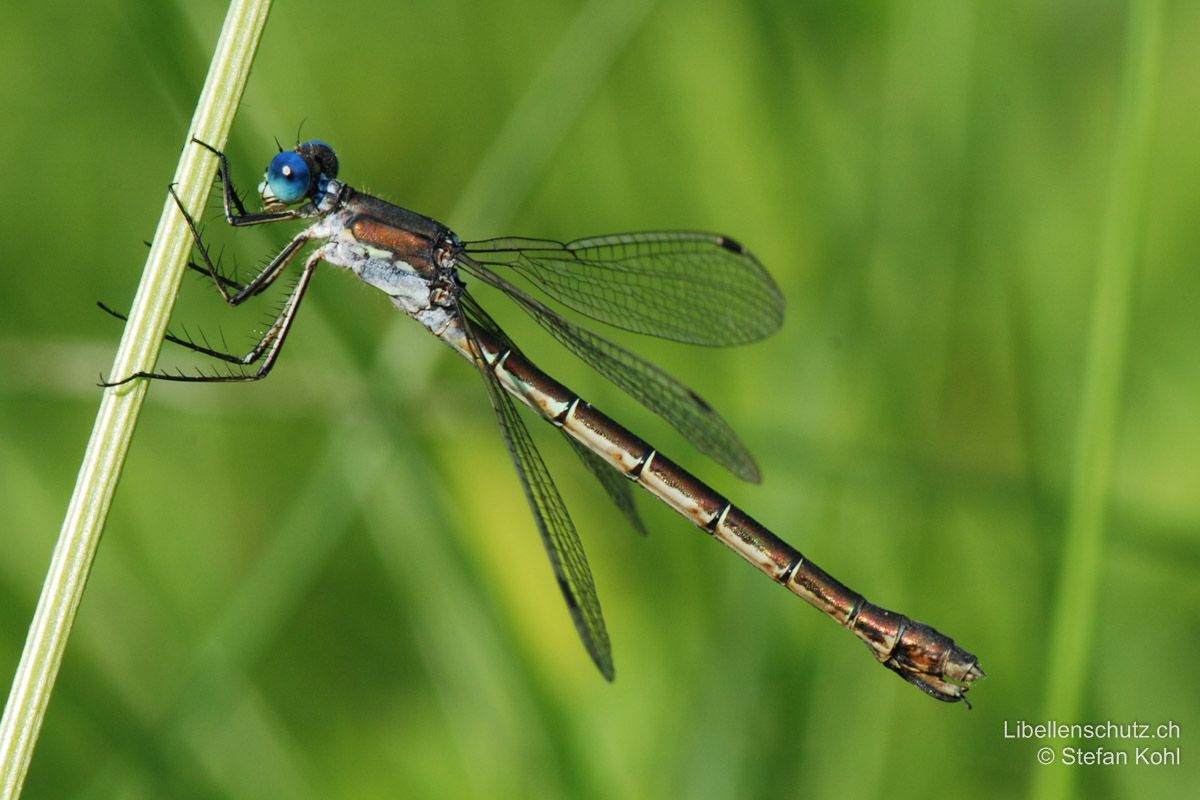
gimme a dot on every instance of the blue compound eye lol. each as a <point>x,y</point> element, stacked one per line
<point>288,177</point>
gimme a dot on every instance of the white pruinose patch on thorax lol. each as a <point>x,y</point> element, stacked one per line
<point>379,268</point>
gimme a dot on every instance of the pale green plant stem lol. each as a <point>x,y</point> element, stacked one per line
<point>119,407</point>
<point>1072,631</point>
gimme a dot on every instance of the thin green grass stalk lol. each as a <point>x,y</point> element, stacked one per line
<point>120,406</point>
<point>1072,634</point>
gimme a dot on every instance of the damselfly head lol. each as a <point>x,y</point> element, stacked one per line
<point>297,175</point>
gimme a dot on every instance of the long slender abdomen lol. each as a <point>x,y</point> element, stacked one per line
<point>917,652</point>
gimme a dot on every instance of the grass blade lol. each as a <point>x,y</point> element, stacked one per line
<point>1070,649</point>
<point>120,406</point>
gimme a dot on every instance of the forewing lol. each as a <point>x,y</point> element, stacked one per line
<point>699,288</point>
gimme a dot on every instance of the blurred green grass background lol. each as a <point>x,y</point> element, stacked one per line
<point>328,585</point>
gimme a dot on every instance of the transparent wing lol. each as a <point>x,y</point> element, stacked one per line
<point>699,288</point>
<point>617,486</point>
<point>652,387</point>
<point>554,523</point>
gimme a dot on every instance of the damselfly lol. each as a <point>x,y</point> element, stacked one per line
<point>699,288</point>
